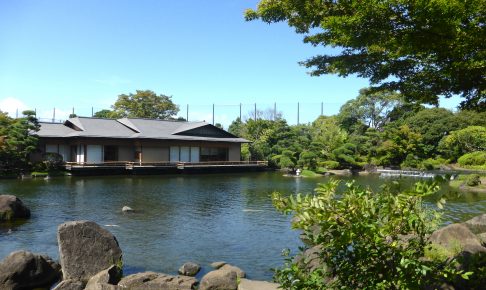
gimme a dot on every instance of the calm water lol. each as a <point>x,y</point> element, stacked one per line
<point>200,218</point>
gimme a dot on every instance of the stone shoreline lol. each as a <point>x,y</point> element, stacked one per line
<point>91,259</point>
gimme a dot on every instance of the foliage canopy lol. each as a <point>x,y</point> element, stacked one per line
<point>144,104</point>
<point>421,48</point>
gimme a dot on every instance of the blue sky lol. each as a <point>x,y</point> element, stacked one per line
<point>84,53</point>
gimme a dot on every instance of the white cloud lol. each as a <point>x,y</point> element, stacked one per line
<point>12,106</point>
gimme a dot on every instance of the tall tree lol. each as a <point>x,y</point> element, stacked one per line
<point>422,48</point>
<point>373,108</point>
<point>18,140</point>
<point>145,104</point>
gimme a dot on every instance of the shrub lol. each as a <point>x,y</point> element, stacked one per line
<point>52,161</point>
<point>473,158</point>
<point>360,239</point>
<point>329,164</point>
<point>431,164</point>
<point>473,180</point>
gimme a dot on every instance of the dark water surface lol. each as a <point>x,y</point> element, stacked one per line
<point>179,218</point>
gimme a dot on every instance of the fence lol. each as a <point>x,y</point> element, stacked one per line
<point>224,114</point>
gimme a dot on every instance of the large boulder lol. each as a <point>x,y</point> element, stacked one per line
<point>246,284</point>
<point>85,249</point>
<point>457,238</point>
<point>106,279</point>
<point>477,224</point>
<point>239,273</point>
<point>152,280</point>
<point>12,207</point>
<point>26,270</point>
<point>70,285</point>
<point>219,280</point>
<point>189,269</point>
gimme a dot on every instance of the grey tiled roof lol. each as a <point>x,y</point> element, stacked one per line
<point>130,128</point>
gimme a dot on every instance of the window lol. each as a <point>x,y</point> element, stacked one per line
<point>111,153</point>
<point>214,154</point>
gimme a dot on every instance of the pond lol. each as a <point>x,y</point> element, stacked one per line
<point>180,218</point>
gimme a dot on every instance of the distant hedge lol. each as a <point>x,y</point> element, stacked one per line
<point>473,158</point>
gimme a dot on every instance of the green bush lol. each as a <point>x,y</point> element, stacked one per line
<point>364,240</point>
<point>329,164</point>
<point>431,164</point>
<point>473,180</point>
<point>473,158</point>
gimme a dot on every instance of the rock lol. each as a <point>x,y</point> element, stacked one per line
<point>127,209</point>
<point>26,270</point>
<point>219,280</point>
<point>12,207</point>
<point>105,278</point>
<point>70,285</point>
<point>457,238</point>
<point>189,269</point>
<point>102,286</point>
<point>246,284</point>
<point>482,238</point>
<point>310,259</point>
<point>239,273</point>
<point>152,280</point>
<point>217,265</point>
<point>85,249</point>
<point>477,224</point>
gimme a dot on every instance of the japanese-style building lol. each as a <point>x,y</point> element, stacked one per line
<point>134,142</point>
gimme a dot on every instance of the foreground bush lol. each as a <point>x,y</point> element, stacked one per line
<point>364,240</point>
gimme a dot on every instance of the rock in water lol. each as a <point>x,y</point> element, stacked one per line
<point>217,265</point>
<point>85,249</point>
<point>219,280</point>
<point>477,224</point>
<point>26,270</point>
<point>239,273</point>
<point>127,209</point>
<point>12,207</point>
<point>189,269</point>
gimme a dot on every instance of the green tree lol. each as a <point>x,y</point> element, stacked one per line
<point>145,104</point>
<point>464,141</point>
<point>18,141</point>
<point>286,160</point>
<point>346,156</point>
<point>327,135</point>
<point>105,114</point>
<point>237,127</point>
<point>421,48</point>
<point>356,238</point>
<point>399,145</point>
<point>371,108</point>
<point>432,124</point>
